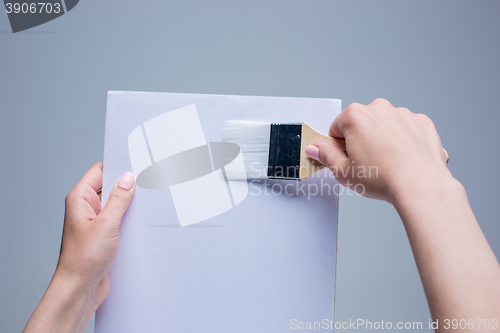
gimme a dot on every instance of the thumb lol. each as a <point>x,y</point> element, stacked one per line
<point>119,199</point>
<point>331,156</point>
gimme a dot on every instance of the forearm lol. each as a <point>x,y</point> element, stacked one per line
<point>66,307</point>
<point>459,271</point>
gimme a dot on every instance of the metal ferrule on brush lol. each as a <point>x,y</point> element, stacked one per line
<point>284,151</point>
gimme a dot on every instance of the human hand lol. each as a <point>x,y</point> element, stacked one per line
<point>89,245</point>
<point>397,156</point>
<point>91,236</point>
<point>389,150</point>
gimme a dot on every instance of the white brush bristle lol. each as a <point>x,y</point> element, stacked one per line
<point>253,139</point>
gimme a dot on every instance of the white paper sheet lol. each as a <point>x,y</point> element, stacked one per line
<point>200,253</point>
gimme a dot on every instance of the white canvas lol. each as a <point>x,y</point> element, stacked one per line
<point>201,198</point>
<point>138,152</point>
<point>174,131</point>
<point>203,253</point>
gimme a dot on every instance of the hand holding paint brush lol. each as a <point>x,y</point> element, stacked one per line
<point>389,150</point>
<point>397,156</point>
<point>371,149</point>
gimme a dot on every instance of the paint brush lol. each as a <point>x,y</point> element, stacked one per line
<point>276,151</point>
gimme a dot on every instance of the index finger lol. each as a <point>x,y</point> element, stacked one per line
<point>93,177</point>
<point>343,121</point>
<point>334,130</point>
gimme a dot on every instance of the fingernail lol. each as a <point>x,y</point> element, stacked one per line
<point>127,181</point>
<point>313,152</point>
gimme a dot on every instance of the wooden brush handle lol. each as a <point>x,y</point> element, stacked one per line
<point>309,136</point>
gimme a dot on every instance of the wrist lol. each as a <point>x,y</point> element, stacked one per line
<point>66,306</point>
<point>72,288</point>
<point>412,200</point>
<point>74,300</point>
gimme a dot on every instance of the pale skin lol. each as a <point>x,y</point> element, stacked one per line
<point>459,271</point>
<point>89,245</point>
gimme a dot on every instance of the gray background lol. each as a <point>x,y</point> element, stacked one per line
<point>438,58</point>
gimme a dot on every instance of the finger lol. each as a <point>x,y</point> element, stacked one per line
<point>333,157</point>
<point>86,191</point>
<point>344,120</point>
<point>119,199</point>
<point>93,177</point>
<point>335,130</point>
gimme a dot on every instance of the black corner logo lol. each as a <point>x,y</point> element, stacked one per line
<point>28,14</point>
